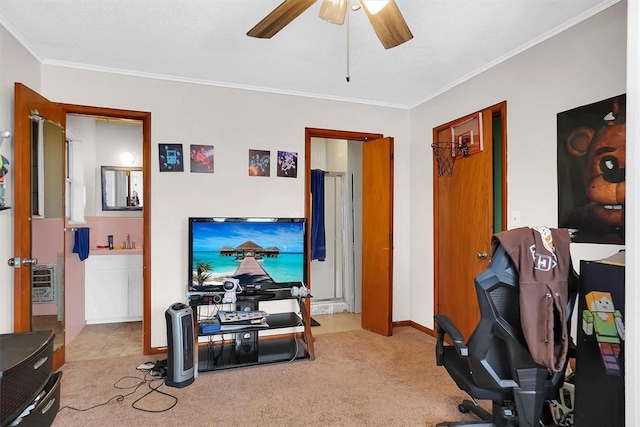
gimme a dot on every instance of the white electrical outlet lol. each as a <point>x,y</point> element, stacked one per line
<point>515,218</point>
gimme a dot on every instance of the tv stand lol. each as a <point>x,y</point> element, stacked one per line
<point>231,348</point>
<point>258,296</point>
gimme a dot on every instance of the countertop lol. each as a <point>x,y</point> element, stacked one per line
<point>115,251</point>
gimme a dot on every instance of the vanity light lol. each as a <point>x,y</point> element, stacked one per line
<point>5,134</point>
<point>127,158</point>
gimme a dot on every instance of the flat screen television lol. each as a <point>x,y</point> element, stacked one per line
<point>256,251</point>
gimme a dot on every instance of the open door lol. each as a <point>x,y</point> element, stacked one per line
<point>377,223</point>
<point>30,104</point>
<point>377,235</point>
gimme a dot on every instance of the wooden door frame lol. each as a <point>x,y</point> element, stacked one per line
<point>329,134</point>
<point>145,118</point>
<point>499,108</point>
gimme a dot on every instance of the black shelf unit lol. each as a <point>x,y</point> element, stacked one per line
<point>246,347</point>
<point>225,356</point>
<point>275,321</point>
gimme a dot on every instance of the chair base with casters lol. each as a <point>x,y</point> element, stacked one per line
<point>495,364</point>
<point>502,414</point>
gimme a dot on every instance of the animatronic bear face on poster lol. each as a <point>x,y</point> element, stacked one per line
<point>591,171</point>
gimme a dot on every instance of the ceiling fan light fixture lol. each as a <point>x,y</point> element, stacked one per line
<point>384,15</point>
<point>374,6</point>
<point>333,11</point>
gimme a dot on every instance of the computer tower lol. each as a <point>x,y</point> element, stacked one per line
<point>180,346</point>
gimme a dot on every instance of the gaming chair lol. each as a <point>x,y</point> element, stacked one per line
<point>495,363</point>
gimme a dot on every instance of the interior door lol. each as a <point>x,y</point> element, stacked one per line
<point>463,209</point>
<point>377,223</point>
<point>28,103</point>
<point>377,236</point>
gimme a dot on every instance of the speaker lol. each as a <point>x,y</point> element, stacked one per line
<point>247,347</point>
<point>180,343</point>
<point>247,305</point>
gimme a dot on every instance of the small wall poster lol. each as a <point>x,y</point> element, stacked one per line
<point>201,158</point>
<point>259,163</point>
<point>287,164</point>
<point>170,157</point>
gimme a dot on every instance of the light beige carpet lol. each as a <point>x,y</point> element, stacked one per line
<point>358,379</point>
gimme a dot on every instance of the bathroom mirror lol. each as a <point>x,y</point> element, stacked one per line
<point>121,188</point>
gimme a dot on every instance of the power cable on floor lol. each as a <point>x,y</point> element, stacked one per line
<point>151,375</point>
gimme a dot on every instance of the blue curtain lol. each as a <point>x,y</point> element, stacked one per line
<point>318,242</point>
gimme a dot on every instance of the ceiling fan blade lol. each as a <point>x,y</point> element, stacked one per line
<point>279,18</point>
<point>389,25</point>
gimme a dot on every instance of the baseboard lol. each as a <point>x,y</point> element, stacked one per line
<point>414,325</point>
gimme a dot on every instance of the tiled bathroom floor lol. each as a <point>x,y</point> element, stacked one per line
<point>106,340</point>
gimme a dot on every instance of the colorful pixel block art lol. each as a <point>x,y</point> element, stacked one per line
<point>602,318</point>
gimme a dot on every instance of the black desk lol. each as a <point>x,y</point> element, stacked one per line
<point>26,361</point>
<point>599,376</point>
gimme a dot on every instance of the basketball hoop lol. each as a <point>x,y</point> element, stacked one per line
<point>444,152</point>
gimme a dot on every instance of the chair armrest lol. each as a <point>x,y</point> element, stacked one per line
<point>444,325</point>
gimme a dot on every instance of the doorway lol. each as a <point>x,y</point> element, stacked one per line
<point>337,277</point>
<point>108,324</point>
<point>360,268</point>
<point>469,207</point>
<point>29,103</point>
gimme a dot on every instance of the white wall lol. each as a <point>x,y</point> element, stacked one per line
<point>584,64</point>
<point>16,64</point>
<point>233,121</point>
<point>632,278</point>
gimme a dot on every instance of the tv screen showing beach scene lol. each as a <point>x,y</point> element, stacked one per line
<point>252,250</point>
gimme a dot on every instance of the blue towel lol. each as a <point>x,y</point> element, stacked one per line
<point>81,243</point>
<point>318,241</point>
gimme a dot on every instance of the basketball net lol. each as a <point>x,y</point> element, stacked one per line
<point>444,152</point>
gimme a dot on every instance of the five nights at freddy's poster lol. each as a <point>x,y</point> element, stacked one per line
<point>591,171</point>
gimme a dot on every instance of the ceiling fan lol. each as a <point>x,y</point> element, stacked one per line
<point>384,15</point>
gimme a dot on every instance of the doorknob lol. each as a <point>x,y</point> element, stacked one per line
<point>15,262</point>
<point>482,255</point>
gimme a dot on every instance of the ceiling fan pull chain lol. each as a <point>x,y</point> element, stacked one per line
<point>348,26</point>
